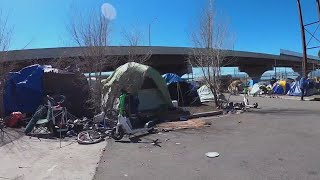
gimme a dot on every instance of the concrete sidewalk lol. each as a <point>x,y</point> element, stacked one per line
<point>33,159</point>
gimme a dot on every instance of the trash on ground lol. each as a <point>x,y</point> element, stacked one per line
<point>212,154</point>
<point>189,124</point>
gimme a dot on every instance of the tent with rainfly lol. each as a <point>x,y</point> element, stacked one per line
<point>281,87</point>
<point>140,80</point>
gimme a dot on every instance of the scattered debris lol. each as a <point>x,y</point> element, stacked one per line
<point>207,124</point>
<point>156,142</point>
<point>190,124</point>
<point>212,154</point>
<point>20,167</point>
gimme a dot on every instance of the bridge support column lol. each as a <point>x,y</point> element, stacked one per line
<point>299,70</point>
<point>254,72</point>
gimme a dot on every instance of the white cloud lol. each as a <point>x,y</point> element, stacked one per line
<point>108,11</point>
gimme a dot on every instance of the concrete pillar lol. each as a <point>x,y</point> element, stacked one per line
<point>253,71</point>
<point>299,70</point>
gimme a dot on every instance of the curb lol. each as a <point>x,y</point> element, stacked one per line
<point>296,99</point>
<point>205,114</point>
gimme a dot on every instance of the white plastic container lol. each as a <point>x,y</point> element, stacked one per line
<point>175,103</point>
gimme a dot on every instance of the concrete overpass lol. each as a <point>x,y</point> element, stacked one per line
<point>164,59</point>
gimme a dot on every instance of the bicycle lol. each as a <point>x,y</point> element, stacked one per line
<point>55,121</point>
<point>93,132</point>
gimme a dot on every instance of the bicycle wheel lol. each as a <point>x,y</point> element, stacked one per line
<point>89,137</point>
<point>111,117</point>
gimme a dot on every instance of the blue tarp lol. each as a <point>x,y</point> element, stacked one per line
<point>187,93</point>
<point>295,89</point>
<point>172,78</point>
<point>252,82</point>
<point>23,90</point>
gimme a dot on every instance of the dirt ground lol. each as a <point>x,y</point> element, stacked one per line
<point>204,107</point>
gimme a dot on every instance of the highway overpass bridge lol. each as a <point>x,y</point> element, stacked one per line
<point>164,59</point>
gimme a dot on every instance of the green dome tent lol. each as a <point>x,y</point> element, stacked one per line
<point>138,79</point>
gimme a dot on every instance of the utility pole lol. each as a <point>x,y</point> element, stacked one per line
<point>303,37</point>
<point>275,68</point>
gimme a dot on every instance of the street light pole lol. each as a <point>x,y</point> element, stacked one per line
<point>150,30</point>
<point>149,34</point>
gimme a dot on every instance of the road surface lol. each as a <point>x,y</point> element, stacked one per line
<point>280,141</point>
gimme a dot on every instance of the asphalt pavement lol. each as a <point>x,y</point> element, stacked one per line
<point>280,141</point>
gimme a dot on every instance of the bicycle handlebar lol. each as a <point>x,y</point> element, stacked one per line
<point>54,102</point>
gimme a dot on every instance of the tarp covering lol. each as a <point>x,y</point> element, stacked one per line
<point>205,94</point>
<point>255,90</point>
<point>184,92</point>
<point>296,91</point>
<point>134,78</point>
<point>172,78</point>
<point>236,86</point>
<point>23,90</point>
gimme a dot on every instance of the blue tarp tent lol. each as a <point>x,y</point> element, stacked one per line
<point>172,78</point>
<point>295,89</point>
<point>23,90</point>
<point>182,91</point>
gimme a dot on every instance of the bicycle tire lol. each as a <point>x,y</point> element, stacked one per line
<point>111,117</point>
<point>89,137</point>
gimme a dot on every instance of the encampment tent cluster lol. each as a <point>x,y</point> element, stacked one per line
<point>284,87</point>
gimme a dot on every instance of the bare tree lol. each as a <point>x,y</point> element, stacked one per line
<point>5,39</point>
<point>5,32</point>
<point>210,39</point>
<point>136,53</point>
<point>91,33</point>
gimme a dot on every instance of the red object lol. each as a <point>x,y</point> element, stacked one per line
<point>15,117</point>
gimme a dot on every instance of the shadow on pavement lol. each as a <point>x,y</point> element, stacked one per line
<point>9,135</point>
<point>291,112</point>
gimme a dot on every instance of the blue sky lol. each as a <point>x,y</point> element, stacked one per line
<point>259,26</point>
